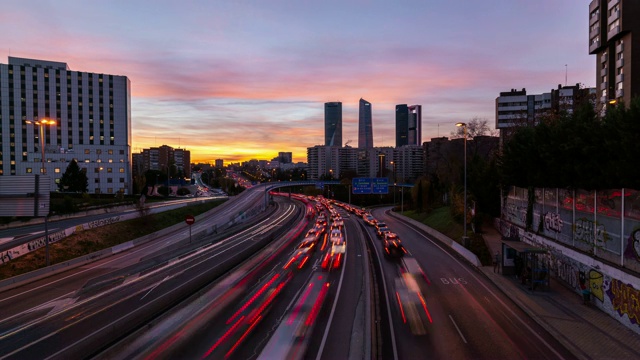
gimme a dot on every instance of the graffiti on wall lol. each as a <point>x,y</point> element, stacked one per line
<point>625,300</point>
<point>553,222</point>
<point>515,212</point>
<point>632,251</point>
<point>590,232</point>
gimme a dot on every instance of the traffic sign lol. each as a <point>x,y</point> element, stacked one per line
<point>189,219</point>
<point>361,185</point>
<point>380,186</point>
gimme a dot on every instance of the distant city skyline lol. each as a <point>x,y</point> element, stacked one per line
<point>246,80</point>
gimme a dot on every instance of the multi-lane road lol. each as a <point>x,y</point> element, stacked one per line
<point>242,296</point>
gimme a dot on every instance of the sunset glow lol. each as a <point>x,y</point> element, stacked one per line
<point>245,80</point>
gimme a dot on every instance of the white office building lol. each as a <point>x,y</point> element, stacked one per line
<point>93,123</point>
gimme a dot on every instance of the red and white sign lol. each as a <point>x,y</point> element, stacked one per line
<point>189,219</point>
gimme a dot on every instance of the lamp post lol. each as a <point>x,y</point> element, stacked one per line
<point>465,239</point>
<point>393,176</point>
<point>41,124</point>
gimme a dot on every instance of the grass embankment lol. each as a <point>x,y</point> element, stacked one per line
<point>441,220</point>
<point>86,242</point>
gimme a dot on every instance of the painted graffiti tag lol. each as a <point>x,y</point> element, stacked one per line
<point>553,222</point>
<point>625,300</point>
<point>103,222</point>
<point>590,232</point>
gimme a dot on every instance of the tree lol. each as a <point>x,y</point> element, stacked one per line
<point>475,127</point>
<point>74,179</point>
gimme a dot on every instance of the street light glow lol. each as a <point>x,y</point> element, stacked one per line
<point>41,124</point>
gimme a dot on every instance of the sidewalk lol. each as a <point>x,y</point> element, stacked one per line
<point>586,331</point>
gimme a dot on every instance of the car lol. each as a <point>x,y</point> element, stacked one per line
<point>337,224</point>
<point>412,305</point>
<point>369,219</point>
<point>336,236</point>
<point>380,224</point>
<point>382,231</point>
<point>409,265</point>
<point>391,236</point>
<point>301,256</point>
<point>393,249</point>
<point>334,256</point>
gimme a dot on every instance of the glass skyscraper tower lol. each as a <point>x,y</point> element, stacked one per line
<point>408,125</point>
<point>365,127</point>
<point>333,124</point>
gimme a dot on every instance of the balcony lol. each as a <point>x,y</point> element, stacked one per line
<point>619,78</point>
<point>619,93</point>
<point>603,85</point>
<point>619,63</point>
<point>613,32</point>
<point>604,57</point>
<point>604,71</point>
<point>612,3</point>
<point>619,48</point>
<point>615,15</point>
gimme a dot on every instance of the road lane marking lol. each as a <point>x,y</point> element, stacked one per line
<point>457,328</point>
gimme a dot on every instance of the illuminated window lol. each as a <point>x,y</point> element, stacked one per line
<point>110,151</point>
<point>56,170</point>
<point>122,170</point>
<point>29,170</point>
<point>87,151</point>
<point>109,170</point>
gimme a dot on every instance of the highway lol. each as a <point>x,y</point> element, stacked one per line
<point>217,300</point>
<point>471,318</point>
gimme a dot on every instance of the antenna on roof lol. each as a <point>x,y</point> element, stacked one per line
<point>565,74</point>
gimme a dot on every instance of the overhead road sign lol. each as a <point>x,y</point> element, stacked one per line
<point>380,186</point>
<point>361,185</point>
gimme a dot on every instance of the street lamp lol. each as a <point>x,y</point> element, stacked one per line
<point>393,176</point>
<point>465,239</point>
<point>41,124</point>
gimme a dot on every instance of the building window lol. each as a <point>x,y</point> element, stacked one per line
<point>109,170</point>
<point>87,151</point>
<point>98,151</point>
<point>29,170</point>
<point>110,151</point>
<point>122,170</point>
<point>56,170</point>
<point>110,180</point>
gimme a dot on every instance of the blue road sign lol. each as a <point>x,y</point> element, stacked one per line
<point>361,185</point>
<point>380,186</point>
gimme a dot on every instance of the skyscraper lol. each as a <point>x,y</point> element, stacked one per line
<point>408,125</point>
<point>402,125</point>
<point>612,26</point>
<point>365,127</point>
<point>333,124</point>
<point>415,124</point>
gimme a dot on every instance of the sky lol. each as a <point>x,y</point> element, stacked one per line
<point>245,79</point>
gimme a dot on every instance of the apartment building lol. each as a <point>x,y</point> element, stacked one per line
<point>91,115</point>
